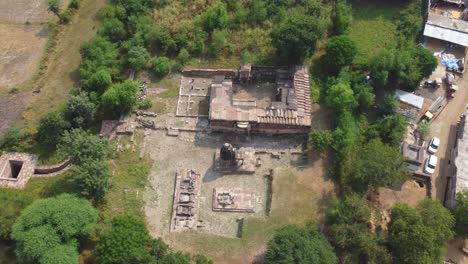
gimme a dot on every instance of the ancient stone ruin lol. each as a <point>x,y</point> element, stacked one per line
<point>233,200</point>
<point>252,99</point>
<point>185,206</point>
<point>17,168</point>
<point>230,160</point>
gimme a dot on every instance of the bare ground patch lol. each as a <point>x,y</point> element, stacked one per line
<point>22,11</point>
<point>22,48</point>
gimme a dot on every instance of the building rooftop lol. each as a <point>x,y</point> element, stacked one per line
<point>409,98</point>
<point>446,28</point>
<point>461,160</point>
<point>284,100</point>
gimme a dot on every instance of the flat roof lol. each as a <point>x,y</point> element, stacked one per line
<point>447,29</point>
<point>409,98</point>
<point>461,161</point>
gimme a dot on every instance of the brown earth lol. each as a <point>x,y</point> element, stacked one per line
<point>22,49</point>
<point>22,11</point>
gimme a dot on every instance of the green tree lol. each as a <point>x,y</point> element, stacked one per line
<point>341,97</point>
<point>54,7</point>
<point>61,254</point>
<point>348,219</point>
<point>296,37</point>
<point>93,178</point>
<point>161,66</point>
<point>424,129</point>
<point>257,11</point>
<point>51,128</point>
<point>378,165</point>
<point>382,67</point>
<point>391,129</point>
<point>99,82</point>
<point>293,244</point>
<point>343,17</point>
<point>81,146</point>
<point>13,203</point>
<point>48,226</point>
<point>341,51</point>
<point>364,95</point>
<point>113,29</point>
<point>320,139</point>
<point>183,57</point>
<point>427,62</point>
<point>420,235</point>
<point>137,57</point>
<point>120,98</point>
<point>80,111</point>
<point>125,242</point>
<point>460,211</point>
<point>215,17</point>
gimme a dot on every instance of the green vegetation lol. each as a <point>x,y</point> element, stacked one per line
<point>128,241</point>
<point>292,244</point>
<point>93,178</point>
<point>461,215</point>
<point>80,147</point>
<point>419,235</point>
<point>50,227</point>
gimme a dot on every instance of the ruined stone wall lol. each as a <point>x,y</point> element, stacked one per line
<point>209,73</point>
<point>41,170</point>
<point>230,126</point>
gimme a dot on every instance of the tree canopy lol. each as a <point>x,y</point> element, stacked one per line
<point>296,37</point>
<point>49,228</point>
<point>460,212</point>
<point>341,51</point>
<point>419,235</point>
<point>93,178</point>
<point>293,244</point>
<point>82,146</point>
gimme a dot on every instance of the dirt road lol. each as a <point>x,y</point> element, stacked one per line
<point>444,128</point>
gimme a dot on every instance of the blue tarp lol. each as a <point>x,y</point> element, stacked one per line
<point>450,63</point>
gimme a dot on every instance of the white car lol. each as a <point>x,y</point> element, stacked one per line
<point>430,165</point>
<point>433,145</point>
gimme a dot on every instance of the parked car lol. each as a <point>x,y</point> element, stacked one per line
<point>433,145</point>
<point>430,165</point>
<point>433,83</point>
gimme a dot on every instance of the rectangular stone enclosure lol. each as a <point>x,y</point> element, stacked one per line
<point>233,200</point>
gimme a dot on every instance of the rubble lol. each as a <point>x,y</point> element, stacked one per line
<point>185,205</point>
<point>145,113</point>
<point>145,123</point>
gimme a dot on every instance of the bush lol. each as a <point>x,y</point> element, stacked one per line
<point>341,51</point>
<point>93,178</point>
<point>460,213</point>
<point>340,97</point>
<point>161,66</point>
<point>424,129</point>
<point>343,17</point>
<point>66,16</point>
<point>183,57</point>
<point>74,4</point>
<point>80,146</point>
<point>126,241</point>
<point>121,98</point>
<point>146,104</point>
<point>215,17</point>
<point>320,139</point>
<point>99,82</point>
<point>48,225</point>
<point>11,139</point>
<point>80,111</point>
<point>12,205</point>
<point>51,128</point>
<point>293,244</point>
<point>137,57</point>
<point>296,37</point>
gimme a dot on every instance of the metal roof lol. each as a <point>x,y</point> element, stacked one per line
<point>409,98</point>
<point>448,29</point>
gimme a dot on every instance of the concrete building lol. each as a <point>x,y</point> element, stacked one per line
<point>458,180</point>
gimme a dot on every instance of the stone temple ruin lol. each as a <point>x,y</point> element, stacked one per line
<point>185,206</point>
<point>229,160</point>
<point>261,99</point>
<point>233,200</point>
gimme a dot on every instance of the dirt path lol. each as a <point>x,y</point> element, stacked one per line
<point>61,75</point>
<point>443,128</point>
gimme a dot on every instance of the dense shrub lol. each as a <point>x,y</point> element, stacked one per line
<point>296,37</point>
<point>137,57</point>
<point>81,146</point>
<point>120,98</point>
<point>343,17</point>
<point>161,66</point>
<point>320,139</point>
<point>51,128</point>
<point>49,227</point>
<point>215,17</point>
<point>341,51</point>
<point>80,111</point>
<point>460,212</point>
<point>93,178</point>
<point>293,244</point>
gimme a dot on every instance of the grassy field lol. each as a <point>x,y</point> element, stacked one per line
<point>373,27</point>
